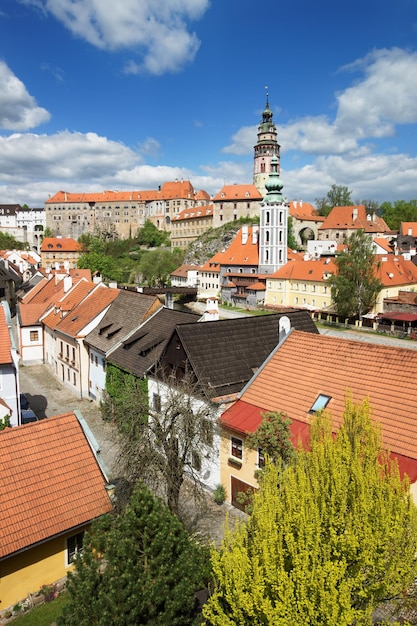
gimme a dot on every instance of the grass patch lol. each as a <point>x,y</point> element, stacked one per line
<point>43,615</point>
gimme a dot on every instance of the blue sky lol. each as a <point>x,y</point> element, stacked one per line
<point>128,94</point>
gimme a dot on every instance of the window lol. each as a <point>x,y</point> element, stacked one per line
<point>74,545</point>
<point>237,447</point>
<point>34,335</point>
<point>321,402</point>
<point>156,402</point>
<point>261,458</point>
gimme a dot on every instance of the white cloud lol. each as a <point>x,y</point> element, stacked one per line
<point>18,109</point>
<point>158,30</point>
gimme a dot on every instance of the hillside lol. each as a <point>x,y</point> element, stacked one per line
<point>214,240</point>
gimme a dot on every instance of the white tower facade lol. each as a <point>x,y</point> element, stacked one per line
<point>273,224</point>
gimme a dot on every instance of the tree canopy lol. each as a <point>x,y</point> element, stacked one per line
<point>355,286</point>
<point>155,266</point>
<point>149,235</point>
<point>139,567</point>
<point>338,195</point>
<point>8,242</point>
<point>332,535</point>
<point>273,436</point>
<point>400,211</point>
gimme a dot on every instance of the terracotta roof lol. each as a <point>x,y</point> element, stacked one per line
<point>64,302</point>
<point>239,253</point>
<point>84,313</point>
<point>408,228</point>
<point>183,270</point>
<point>256,286</point>
<point>394,270</point>
<point>383,243</point>
<point>128,311</point>
<point>60,244</point>
<point>399,316</point>
<point>313,269</point>
<point>237,192</point>
<point>142,350</point>
<point>50,482</point>
<point>304,211</point>
<point>224,354</point>
<point>194,213</point>
<point>5,340</point>
<point>343,217</point>
<point>307,365</point>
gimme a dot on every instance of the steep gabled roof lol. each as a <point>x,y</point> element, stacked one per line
<point>128,311</point>
<point>304,211</point>
<point>50,482</point>
<point>57,308</point>
<point>352,217</point>
<point>308,365</point>
<point>60,244</point>
<point>315,270</point>
<point>5,340</point>
<point>408,228</point>
<point>194,213</point>
<point>142,350</point>
<point>243,250</point>
<point>182,270</point>
<point>84,313</point>
<point>224,354</point>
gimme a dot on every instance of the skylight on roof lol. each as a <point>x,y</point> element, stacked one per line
<point>321,402</point>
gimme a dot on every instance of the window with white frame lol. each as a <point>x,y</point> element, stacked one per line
<point>74,546</point>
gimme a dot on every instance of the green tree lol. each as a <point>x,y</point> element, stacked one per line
<point>273,436</point>
<point>331,536</point>
<point>8,242</point>
<point>48,232</point>
<point>139,567</point>
<point>400,211</point>
<point>355,286</point>
<point>155,266</point>
<point>338,195</point>
<point>291,241</point>
<point>149,235</point>
<point>163,442</point>
<point>97,262</point>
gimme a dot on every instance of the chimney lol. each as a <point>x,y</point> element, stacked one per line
<point>410,232</point>
<point>284,327</point>
<point>244,235</point>
<point>301,203</point>
<point>354,213</point>
<point>255,233</point>
<point>67,283</point>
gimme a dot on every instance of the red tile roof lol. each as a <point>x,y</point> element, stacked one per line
<point>239,253</point>
<point>60,244</point>
<point>237,192</point>
<point>408,228</point>
<point>50,482</point>
<point>343,217</point>
<point>194,213</point>
<point>306,365</point>
<point>5,340</point>
<point>304,211</point>
<point>82,314</point>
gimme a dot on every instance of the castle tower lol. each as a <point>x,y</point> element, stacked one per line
<point>273,224</point>
<point>266,147</point>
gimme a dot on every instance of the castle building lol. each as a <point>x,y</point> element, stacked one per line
<point>265,148</point>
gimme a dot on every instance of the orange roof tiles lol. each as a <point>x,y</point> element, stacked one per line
<point>394,270</point>
<point>237,192</point>
<point>60,244</point>
<point>304,211</point>
<point>239,253</point>
<point>408,228</point>
<point>350,217</point>
<point>183,270</point>
<point>196,212</point>
<point>306,365</point>
<point>85,312</point>
<point>50,482</point>
<point>5,340</point>
<point>311,270</point>
<point>383,243</point>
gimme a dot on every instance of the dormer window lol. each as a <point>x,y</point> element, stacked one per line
<point>321,402</point>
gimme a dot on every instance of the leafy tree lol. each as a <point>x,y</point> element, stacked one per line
<point>331,536</point>
<point>48,232</point>
<point>140,567</point>
<point>163,442</point>
<point>102,263</point>
<point>291,241</point>
<point>355,286</point>
<point>338,195</point>
<point>4,422</point>
<point>400,211</point>
<point>8,242</point>
<point>273,436</point>
<point>149,235</point>
<point>155,266</point>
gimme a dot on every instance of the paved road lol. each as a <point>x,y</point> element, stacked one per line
<point>367,337</point>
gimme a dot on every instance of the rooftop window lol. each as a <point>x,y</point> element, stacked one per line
<point>321,402</point>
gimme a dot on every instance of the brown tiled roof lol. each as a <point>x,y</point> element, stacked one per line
<point>5,340</point>
<point>142,350</point>
<point>224,354</point>
<point>306,365</point>
<point>60,244</point>
<point>342,217</point>
<point>183,270</point>
<point>128,311</point>
<point>85,312</point>
<point>50,482</point>
<point>237,192</point>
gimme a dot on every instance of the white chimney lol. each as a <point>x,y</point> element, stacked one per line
<point>67,283</point>
<point>410,232</point>
<point>354,213</point>
<point>244,235</point>
<point>255,233</point>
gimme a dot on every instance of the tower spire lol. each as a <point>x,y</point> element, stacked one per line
<point>266,147</point>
